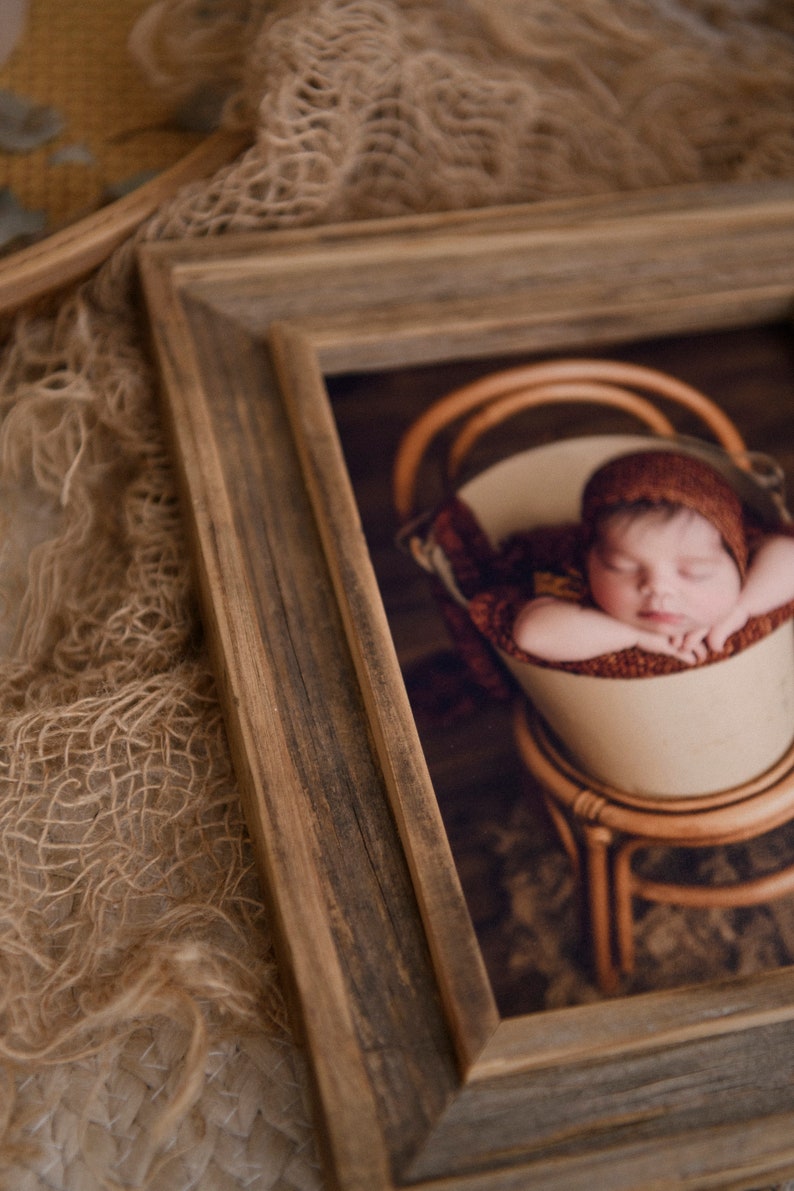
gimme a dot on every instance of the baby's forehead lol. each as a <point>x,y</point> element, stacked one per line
<point>660,521</point>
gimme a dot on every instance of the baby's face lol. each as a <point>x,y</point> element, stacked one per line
<point>661,572</point>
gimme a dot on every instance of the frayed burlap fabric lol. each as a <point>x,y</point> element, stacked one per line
<point>143,1038</point>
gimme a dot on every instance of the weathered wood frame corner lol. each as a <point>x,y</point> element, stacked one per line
<point>418,1083</point>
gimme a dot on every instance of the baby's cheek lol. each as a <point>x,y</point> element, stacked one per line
<point>602,592</point>
<point>615,598</point>
<point>718,602</point>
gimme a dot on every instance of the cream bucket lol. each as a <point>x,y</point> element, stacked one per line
<point>674,736</point>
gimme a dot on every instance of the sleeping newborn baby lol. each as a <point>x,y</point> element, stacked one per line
<point>667,566</point>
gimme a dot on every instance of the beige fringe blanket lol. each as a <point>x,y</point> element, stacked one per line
<point>143,1041</point>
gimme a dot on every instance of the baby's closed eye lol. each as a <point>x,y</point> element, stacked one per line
<point>619,565</point>
<point>697,571</point>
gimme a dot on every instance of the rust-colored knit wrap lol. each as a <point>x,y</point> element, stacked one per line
<point>666,477</point>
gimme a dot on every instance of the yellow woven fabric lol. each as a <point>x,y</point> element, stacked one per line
<point>74,57</point>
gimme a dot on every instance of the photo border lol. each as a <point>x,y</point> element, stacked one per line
<point>418,1083</point>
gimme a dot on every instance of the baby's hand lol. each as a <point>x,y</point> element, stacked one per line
<point>693,643</point>
<point>679,647</point>
<point>725,628</point>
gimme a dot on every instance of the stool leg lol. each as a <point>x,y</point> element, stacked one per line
<point>624,906</point>
<point>565,834</point>
<point>598,841</point>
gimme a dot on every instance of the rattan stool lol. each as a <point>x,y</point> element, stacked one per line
<point>602,829</point>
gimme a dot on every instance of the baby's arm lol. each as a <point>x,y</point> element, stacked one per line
<point>769,584</point>
<point>559,631</point>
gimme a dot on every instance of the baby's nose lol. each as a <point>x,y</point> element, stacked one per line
<point>655,582</point>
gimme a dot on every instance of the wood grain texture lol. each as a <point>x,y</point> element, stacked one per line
<point>71,253</point>
<point>417,1082</point>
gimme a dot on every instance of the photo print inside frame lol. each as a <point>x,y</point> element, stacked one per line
<point>522,889</point>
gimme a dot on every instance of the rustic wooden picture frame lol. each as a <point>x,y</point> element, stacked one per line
<point>418,1082</point>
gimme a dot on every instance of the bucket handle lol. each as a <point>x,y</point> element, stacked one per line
<point>530,384</point>
<point>558,393</point>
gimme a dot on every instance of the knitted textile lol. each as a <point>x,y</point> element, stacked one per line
<point>143,1040</point>
<point>664,477</point>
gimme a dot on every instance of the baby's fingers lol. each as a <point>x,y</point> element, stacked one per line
<point>688,647</point>
<point>695,639</point>
<point>679,651</point>
<point>691,656</point>
<point>717,639</point>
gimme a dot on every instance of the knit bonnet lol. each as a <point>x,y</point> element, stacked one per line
<point>667,478</point>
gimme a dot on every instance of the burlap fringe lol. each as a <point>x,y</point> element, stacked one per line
<point>143,1039</point>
